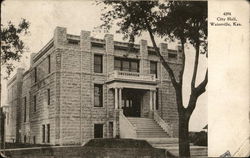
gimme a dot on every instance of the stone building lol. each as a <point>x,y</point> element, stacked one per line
<point>79,87</point>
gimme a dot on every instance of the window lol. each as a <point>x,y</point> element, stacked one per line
<point>118,65</point>
<point>98,130</point>
<point>153,68</point>
<point>25,109</point>
<point>48,97</point>
<point>49,64</point>
<point>98,97</point>
<point>172,55</point>
<point>157,99</point>
<point>125,65</point>
<point>24,139</point>
<point>122,64</point>
<point>98,63</point>
<point>35,74</point>
<point>43,133</point>
<point>134,66</point>
<point>111,126</point>
<point>48,133</point>
<point>34,103</point>
<point>34,139</point>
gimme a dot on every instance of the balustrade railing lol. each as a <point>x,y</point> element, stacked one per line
<point>127,130</point>
<point>163,124</point>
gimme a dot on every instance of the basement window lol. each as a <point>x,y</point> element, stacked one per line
<point>98,130</point>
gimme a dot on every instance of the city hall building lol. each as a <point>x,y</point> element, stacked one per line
<point>79,88</point>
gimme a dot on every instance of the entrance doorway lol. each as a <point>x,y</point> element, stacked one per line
<point>131,99</point>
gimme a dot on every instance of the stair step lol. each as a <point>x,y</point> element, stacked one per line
<point>147,128</point>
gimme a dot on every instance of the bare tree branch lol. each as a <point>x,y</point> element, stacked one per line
<point>183,64</point>
<point>196,62</point>
<point>195,93</point>
<point>164,63</point>
<point>201,88</point>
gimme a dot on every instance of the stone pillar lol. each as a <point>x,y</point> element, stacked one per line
<point>60,36</point>
<point>85,43</point>
<point>109,47</point>
<point>120,98</point>
<point>150,100</point>
<point>154,100</point>
<point>116,98</point>
<point>109,43</point>
<point>144,64</point>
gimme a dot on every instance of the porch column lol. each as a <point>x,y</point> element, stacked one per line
<point>150,100</point>
<point>154,98</point>
<point>116,99</point>
<point>120,98</point>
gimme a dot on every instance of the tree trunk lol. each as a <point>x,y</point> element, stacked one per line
<point>184,148</point>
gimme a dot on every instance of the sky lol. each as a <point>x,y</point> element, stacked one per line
<point>77,15</point>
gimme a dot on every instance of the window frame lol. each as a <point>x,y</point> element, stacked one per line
<point>35,74</point>
<point>43,133</point>
<point>48,133</point>
<point>129,68</point>
<point>156,68</point>
<point>96,70</point>
<point>48,96</point>
<point>25,109</point>
<point>34,102</point>
<point>100,86</point>
<point>49,64</point>
<point>95,126</point>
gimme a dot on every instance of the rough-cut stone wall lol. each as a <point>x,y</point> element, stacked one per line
<point>71,113</point>
<point>14,100</point>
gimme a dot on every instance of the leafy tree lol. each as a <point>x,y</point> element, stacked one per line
<point>175,20</point>
<point>12,46</point>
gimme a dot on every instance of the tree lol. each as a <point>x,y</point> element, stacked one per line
<point>174,20</point>
<point>12,47</point>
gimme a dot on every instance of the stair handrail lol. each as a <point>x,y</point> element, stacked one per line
<point>165,126</point>
<point>129,127</point>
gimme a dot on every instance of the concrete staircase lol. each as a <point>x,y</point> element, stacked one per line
<point>147,128</point>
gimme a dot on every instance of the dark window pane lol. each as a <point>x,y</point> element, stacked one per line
<point>125,65</point>
<point>48,133</point>
<point>98,63</point>
<point>98,130</point>
<point>49,64</point>
<point>153,68</point>
<point>98,97</point>
<point>43,133</point>
<point>35,74</point>
<point>24,139</point>
<point>34,103</point>
<point>48,93</point>
<point>134,66</point>
<point>118,64</point>
<point>34,139</point>
<point>25,108</point>
<point>111,126</point>
<point>157,99</point>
